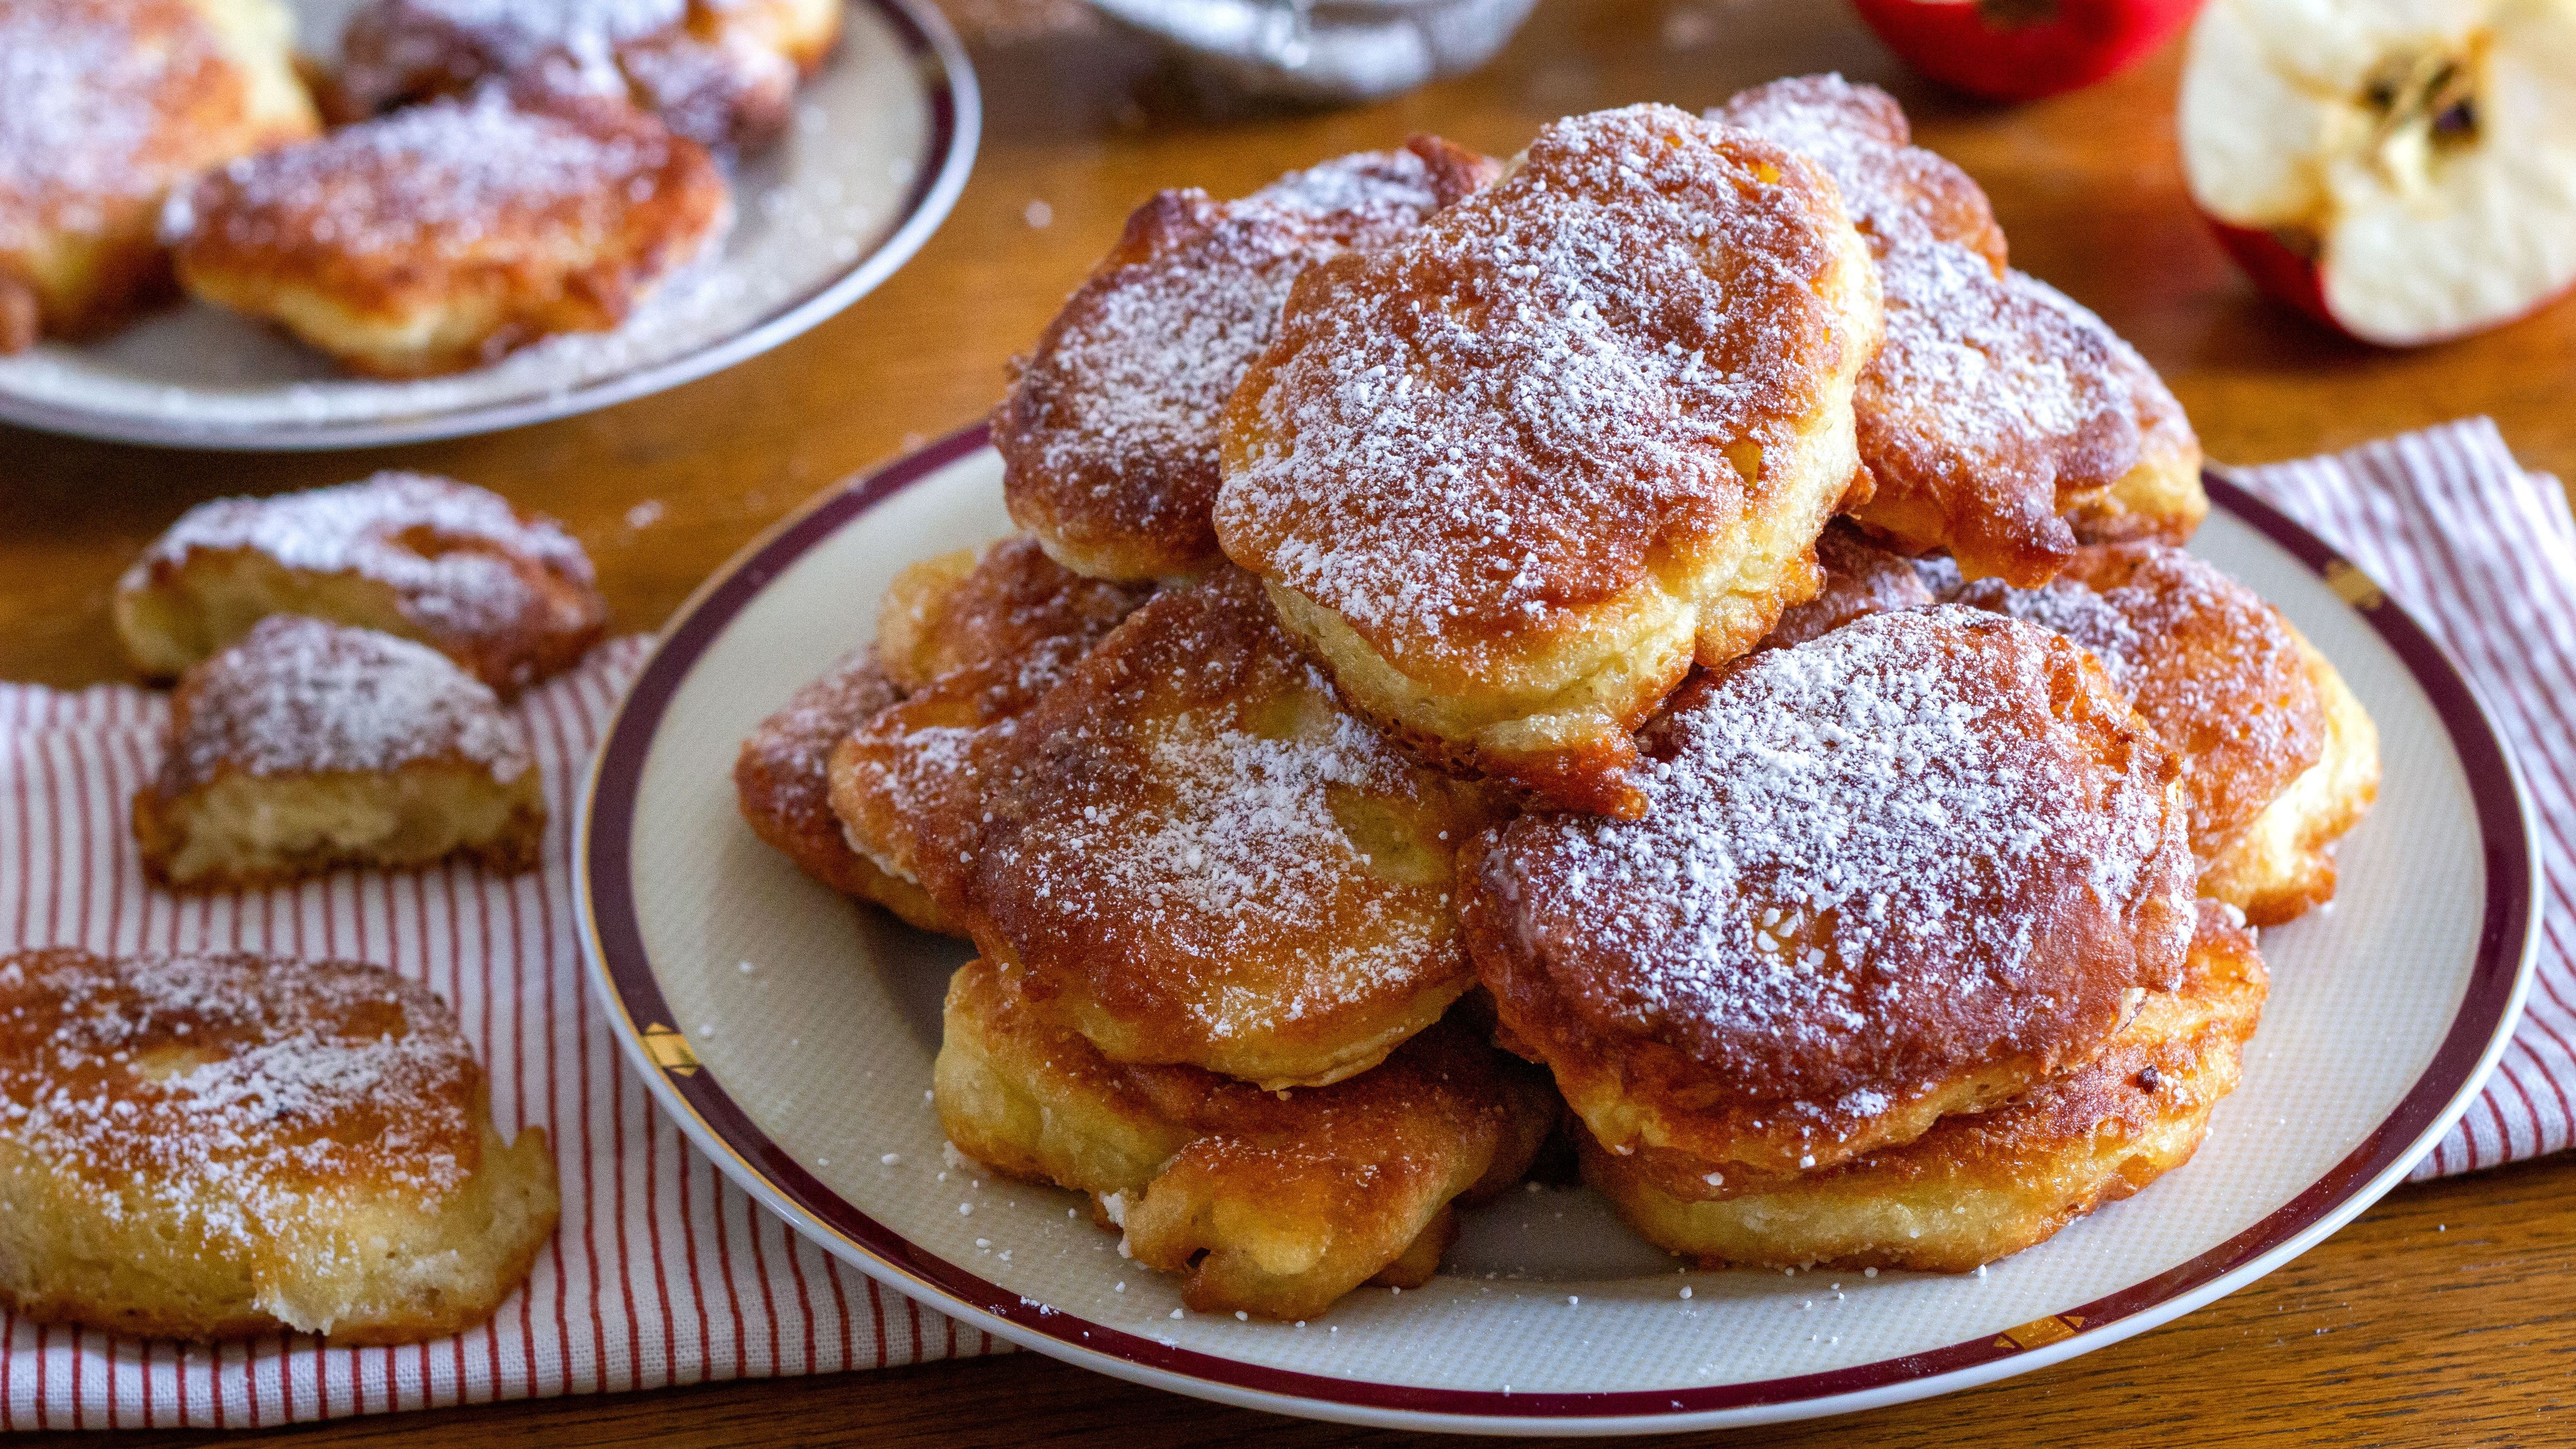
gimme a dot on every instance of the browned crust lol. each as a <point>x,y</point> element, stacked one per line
<point>1768,1110</point>
<point>1860,579</point>
<point>782,785</point>
<point>1138,507</point>
<point>102,213</point>
<point>1061,886</point>
<point>574,264</point>
<point>1359,1175</point>
<point>2024,1169</point>
<point>963,643</point>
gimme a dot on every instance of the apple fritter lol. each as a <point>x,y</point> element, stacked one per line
<point>510,597</point>
<point>1509,475</point>
<point>1199,857</point>
<point>310,745</point>
<point>1916,866</point>
<point>2229,684</point>
<point>1276,1203</point>
<point>1108,435</point>
<point>1986,1185</point>
<point>1998,404</point>
<point>105,105</point>
<point>211,1147</point>
<point>445,236</point>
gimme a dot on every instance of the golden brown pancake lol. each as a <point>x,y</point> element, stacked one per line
<point>1998,404</point>
<point>1915,866</point>
<point>783,785</point>
<point>104,106</point>
<point>2283,864</point>
<point>509,596</point>
<point>1108,435</point>
<point>1509,475</point>
<point>1275,1203</point>
<point>1985,1185</point>
<point>1199,857</point>
<point>720,72</point>
<point>210,1147</point>
<point>970,645</point>
<point>1860,579</point>
<point>445,236</point>
<point>2228,683</point>
<point>310,745</point>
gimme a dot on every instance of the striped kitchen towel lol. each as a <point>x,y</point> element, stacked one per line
<point>663,1272</point>
<point>2483,555</point>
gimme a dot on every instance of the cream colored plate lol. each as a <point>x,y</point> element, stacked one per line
<point>883,138</point>
<point>791,1032</point>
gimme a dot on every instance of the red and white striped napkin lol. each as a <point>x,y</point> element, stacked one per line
<point>664,1273</point>
<point>2483,554</point>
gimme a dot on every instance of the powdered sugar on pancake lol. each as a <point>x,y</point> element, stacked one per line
<point>297,695</point>
<point>232,1087</point>
<point>1112,421</point>
<point>1866,858</point>
<point>1977,371</point>
<point>448,177</point>
<point>1180,829</point>
<point>2070,609</point>
<point>82,100</point>
<point>1493,421</point>
<point>433,540</point>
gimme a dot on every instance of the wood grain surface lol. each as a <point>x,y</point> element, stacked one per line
<point>2447,1315</point>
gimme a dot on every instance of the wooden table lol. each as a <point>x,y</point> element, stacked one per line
<point>2439,1317</point>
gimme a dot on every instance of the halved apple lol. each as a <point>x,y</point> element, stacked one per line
<point>2021,50</point>
<point>2404,170</point>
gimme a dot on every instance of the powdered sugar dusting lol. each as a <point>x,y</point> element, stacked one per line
<point>1491,419</point>
<point>1845,838</point>
<point>82,107</point>
<point>2070,609</point>
<point>1119,402</point>
<point>413,532</point>
<point>451,177</point>
<point>299,695</point>
<point>1177,828</point>
<point>230,1089</point>
<point>1971,359</point>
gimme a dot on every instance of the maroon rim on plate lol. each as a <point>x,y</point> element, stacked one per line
<point>621,962</point>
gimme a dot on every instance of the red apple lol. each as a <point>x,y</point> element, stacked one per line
<point>2403,170</point>
<point>2020,50</point>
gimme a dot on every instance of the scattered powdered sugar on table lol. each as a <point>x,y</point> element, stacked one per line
<point>1841,836</point>
<point>229,1090</point>
<point>412,532</point>
<point>299,695</point>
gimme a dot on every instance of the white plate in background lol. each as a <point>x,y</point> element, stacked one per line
<point>883,136</point>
